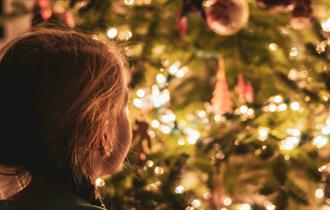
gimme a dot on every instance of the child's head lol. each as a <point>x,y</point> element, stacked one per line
<point>63,98</point>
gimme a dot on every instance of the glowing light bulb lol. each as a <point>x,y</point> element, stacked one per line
<point>277,99</point>
<point>192,135</point>
<point>150,163</point>
<point>129,2</point>
<point>270,206</point>
<point>227,202</point>
<point>201,114</point>
<point>99,182</point>
<point>293,52</point>
<point>174,67</point>
<point>293,131</point>
<point>295,105</point>
<point>320,141</point>
<point>282,107</point>
<point>244,206</point>
<point>289,143</point>
<point>181,72</point>
<point>138,102</point>
<point>272,107</point>
<point>165,129</point>
<point>181,142</point>
<point>125,35</point>
<point>179,189</point>
<point>112,33</point>
<point>155,123</point>
<point>196,203</point>
<point>140,93</point>
<point>263,133</point>
<point>319,193</point>
<point>273,46</point>
<point>159,170</point>
<point>326,25</point>
<point>161,79</point>
<point>326,130</point>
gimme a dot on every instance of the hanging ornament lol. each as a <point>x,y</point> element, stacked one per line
<point>42,11</point>
<point>227,17</point>
<point>141,137</point>
<point>276,5</point>
<point>221,99</point>
<point>301,16</point>
<point>187,7</point>
<point>244,90</point>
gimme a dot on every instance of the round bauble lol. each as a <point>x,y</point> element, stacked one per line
<point>227,17</point>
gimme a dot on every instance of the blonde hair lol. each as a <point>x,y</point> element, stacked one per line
<point>58,87</point>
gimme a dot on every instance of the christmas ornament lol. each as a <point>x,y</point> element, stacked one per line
<point>42,11</point>
<point>276,5</point>
<point>227,17</point>
<point>301,16</point>
<point>221,99</point>
<point>187,7</point>
<point>142,138</point>
<point>244,90</point>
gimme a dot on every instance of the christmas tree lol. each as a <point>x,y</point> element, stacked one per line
<point>229,100</point>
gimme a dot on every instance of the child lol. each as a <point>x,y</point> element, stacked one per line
<point>63,114</point>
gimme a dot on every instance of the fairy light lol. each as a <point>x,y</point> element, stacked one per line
<point>282,107</point>
<point>155,124</point>
<point>293,132</point>
<point>138,102</point>
<point>244,206</point>
<point>174,67</point>
<point>112,32</point>
<point>159,170</point>
<point>270,206</point>
<point>320,141</point>
<point>125,35</point>
<point>196,203</point>
<point>243,109</point>
<point>165,129</point>
<point>295,105</point>
<point>325,130</point>
<point>207,195</point>
<point>319,193</point>
<point>129,2</point>
<point>181,142</point>
<point>99,182</point>
<point>218,118</point>
<point>179,189</point>
<point>286,157</point>
<point>150,163</point>
<point>192,135</point>
<point>289,143</point>
<point>182,72</point>
<point>293,52</point>
<point>168,117</point>
<point>161,79</point>
<point>272,107</point>
<point>326,25</point>
<point>201,114</point>
<point>140,93</point>
<point>227,202</point>
<point>277,99</point>
<point>273,46</point>
<point>263,133</point>
<point>327,121</point>
<point>293,74</point>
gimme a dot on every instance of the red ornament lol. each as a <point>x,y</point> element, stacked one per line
<point>276,5</point>
<point>301,16</point>
<point>221,99</point>
<point>227,17</point>
<point>244,90</point>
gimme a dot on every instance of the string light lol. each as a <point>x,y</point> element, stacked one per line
<point>140,93</point>
<point>112,32</point>
<point>326,25</point>
<point>196,203</point>
<point>159,170</point>
<point>293,132</point>
<point>293,52</point>
<point>270,206</point>
<point>325,208</point>
<point>207,195</point>
<point>277,99</point>
<point>263,133</point>
<point>161,80</point>
<point>319,193</point>
<point>174,67</point>
<point>155,124</point>
<point>129,2</point>
<point>227,202</point>
<point>273,46</point>
<point>244,206</point>
<point>192,135</point>
<point>282,107</point>
<point>295,105</point>
<point>99,182</point>
<point>289,143</point>
<point>326,130</point>
<point>125,35</point>
<point>320,141</point>
<point>150,163</point>
<point>179,189</point>
<point>165,129</point>
<point>181,142</point>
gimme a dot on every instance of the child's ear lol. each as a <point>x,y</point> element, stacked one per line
<point>106,147</point>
